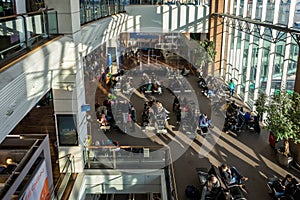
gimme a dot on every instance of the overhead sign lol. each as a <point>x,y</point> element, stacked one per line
<point>143,36</point>
<point>85,108</point>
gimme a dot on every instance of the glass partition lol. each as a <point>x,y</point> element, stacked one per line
<point>18,33</point>
<point>107,154</point>
<point>95,9</point>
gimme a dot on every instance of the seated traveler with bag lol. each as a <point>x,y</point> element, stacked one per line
<point>285,187</point>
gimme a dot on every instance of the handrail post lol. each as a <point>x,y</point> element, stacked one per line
<point>44,20</point>
<point>25,31</point>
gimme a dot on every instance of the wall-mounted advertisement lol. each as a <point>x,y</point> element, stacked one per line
<point>38,188</point>
<point>67,134</point>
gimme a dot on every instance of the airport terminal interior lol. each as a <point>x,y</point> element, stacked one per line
<point>147,100</point>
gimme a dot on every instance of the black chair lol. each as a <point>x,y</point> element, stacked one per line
<point>234,189</point>
<point>217,193</point>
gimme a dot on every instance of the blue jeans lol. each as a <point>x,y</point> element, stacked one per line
<point>231,92</point>
<point>236,176</point>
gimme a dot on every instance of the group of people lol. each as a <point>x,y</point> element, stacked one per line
<point>230,176</point>
<point>287,187</point>
<point>236,118</point>
<point>154,110</point>
<point>150,84</point>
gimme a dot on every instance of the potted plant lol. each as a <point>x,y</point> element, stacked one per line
<point>283,121</point>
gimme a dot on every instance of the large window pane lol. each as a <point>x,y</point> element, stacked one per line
<point>284,10</point>
<point>259,10</point>
<point>297,16</point>
<point>242,5</point>
<point>264,65</point>
<point>245,62</point>
<point>270,11</point>
<point>253,71</point>
<point>278,67</point>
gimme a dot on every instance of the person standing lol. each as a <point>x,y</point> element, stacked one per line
<point>133,117</point>
<point>231,87</point>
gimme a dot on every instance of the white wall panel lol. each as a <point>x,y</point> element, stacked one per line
<point>166,17</point>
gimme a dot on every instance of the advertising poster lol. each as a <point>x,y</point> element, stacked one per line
<point>38,188</point>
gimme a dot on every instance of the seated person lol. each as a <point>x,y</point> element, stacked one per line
<point>9,167</point>
<point>232,175</point>
<point>248,118</point>
<point>280,187</point>
<point>204,121</point>
<point>185,72</point>
<point>213,186</point>
<point>231,125</point>
<point>103,121</point>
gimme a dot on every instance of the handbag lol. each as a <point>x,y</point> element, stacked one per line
<point>128,118</point>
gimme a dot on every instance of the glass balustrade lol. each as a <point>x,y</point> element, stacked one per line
<point>106,154</point>
<point>21,32</point>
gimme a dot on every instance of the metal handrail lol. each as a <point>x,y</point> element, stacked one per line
<point>22,14</point>
<point>62,176</point>
<point>12,178</point>
<point>26,41</point>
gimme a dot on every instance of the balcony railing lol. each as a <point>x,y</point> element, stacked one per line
<point>106,155</point>
<point>93,10</point>
<point>24,31</point>
<point>64,178</point>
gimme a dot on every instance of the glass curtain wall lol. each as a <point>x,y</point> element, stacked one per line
<point>244,63</point>
<point>278,67</point>
<point>292,67</point>
<point>265,61</point>
<point>259,7</point>
<point>270,11</point>
<point>95,9</point>
<point>253,70</point>
<point>283,16</point>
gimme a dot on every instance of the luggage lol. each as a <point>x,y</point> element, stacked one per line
<point>192,192</point>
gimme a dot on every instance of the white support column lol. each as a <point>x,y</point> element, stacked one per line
<point>272,51</point>
<point>260,53</point>
<point>229,55</point>
<point>228,63</point>
<point>234,68</point>
<point>243,37</point>
<point>224,41</point>
<point>68,83</point>
<point>251,39</point>
<point>68,15</point>
<point>288,46</point>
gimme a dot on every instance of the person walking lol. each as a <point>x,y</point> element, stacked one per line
<point>231,87</point>
<point>133,117</point>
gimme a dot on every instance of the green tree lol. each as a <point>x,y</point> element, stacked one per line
<point>283,117</point>
<point>205,53</point>
<point>260,103</point>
